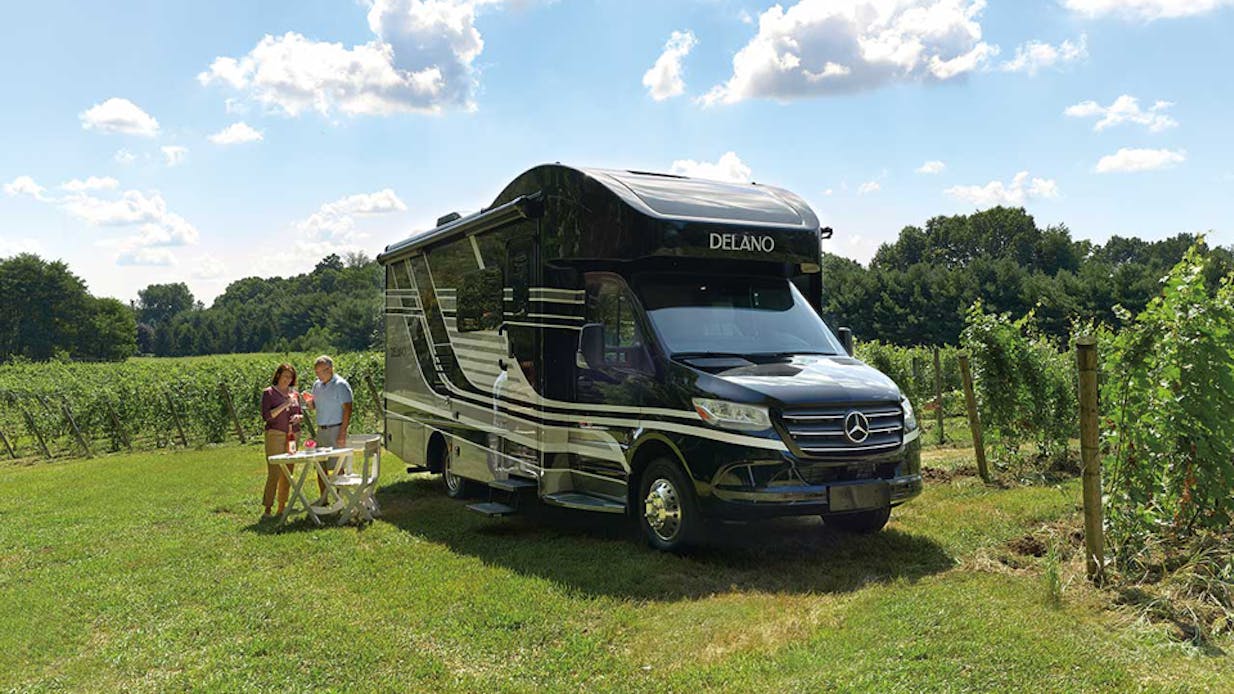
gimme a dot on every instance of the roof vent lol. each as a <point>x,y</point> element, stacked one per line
<point>446,219</point>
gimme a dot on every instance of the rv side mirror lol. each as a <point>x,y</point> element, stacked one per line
<point>591,345</point>
<point>846,339</point>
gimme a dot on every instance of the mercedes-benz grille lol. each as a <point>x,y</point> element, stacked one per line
<point>844,431</point>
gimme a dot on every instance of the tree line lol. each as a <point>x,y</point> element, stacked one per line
<point>47,313</point>
<point>915,291</point>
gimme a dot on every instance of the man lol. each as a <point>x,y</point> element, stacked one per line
<point>331,397</point>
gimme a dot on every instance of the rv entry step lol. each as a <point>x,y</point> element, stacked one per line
<point>413,469</point>
<point>586,502</point>
<point>513,484</point>
<point>492,509</point>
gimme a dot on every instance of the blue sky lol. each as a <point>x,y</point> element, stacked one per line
<point>374,118</point>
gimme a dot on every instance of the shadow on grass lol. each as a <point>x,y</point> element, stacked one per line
<point>602,554</point>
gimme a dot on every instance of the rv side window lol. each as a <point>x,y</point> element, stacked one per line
<point>479,300</point>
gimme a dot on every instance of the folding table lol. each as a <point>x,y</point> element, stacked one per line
<point>303,458</point>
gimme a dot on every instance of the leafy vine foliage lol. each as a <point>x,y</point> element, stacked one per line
<point>1168,399</point>
<point>137,392</point>
<point>1026,391</point>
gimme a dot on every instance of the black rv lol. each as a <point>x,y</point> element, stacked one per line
<point>640,343</point>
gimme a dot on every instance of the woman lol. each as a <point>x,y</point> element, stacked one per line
<point>280,407</point>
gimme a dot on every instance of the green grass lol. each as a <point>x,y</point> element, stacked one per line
<point>150,572</point>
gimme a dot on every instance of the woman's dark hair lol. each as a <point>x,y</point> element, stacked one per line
<point>278,373</point>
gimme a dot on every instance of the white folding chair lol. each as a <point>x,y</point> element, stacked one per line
<point>359,491</point>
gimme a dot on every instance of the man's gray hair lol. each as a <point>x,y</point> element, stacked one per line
<point>323,359</point>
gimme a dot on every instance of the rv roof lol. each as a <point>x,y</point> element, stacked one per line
<point>697,198</point>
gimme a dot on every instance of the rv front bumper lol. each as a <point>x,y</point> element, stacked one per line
<point>836,497</point>
<point>786,485</point>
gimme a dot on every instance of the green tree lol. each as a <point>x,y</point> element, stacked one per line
<point>43,307</point>
<point>110,334</point>
<point>157,304</point>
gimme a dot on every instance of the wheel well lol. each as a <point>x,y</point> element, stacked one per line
<point>435,455</point>
<point>643,455</point>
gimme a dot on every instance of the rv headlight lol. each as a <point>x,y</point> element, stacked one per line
<point>732,415</point>
<point>910,417</point>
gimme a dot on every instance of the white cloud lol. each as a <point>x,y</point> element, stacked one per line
<point>819,47</point>
<point>173,155</point>
<point>419,61</point>
<point>236,133</point>
<point>156,227</point>
<point>1145,10</point>
<point>1124,109</point>
<point>932,167</point>
<point>208,267</point>
<point>1127,160</point>
<point>332,228</point>
<point>118,115</point>
<point>828,192</point>
<point>147,257</point>
<point>1014,194</point>
<point>12,247</point>
<point>663,80</point>
<point>24,185</point>
<point>869,187</point>
<point>1034,56</point>
<point>78,185</point>
<point>729,167</point>
<point>125,157</point>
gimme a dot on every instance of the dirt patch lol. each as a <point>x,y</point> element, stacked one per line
<point>935,474</point>
<point>1028,545</point>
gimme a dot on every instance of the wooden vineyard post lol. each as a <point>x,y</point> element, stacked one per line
<point>35,430</point>
<point>171,405</point>
<point>7,446</point>
<point>974,421</point>
<point>1094,537</point>
<point>938,397</point>
<point>381,407</point>
<point>231,408</point>
<point>117,426</point>
<point>81,440</point>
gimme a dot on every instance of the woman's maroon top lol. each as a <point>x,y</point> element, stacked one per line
<point>271,400</point>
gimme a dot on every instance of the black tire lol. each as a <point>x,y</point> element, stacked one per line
<point>859,522</point>
<point>456,487</point>
<point>667,510</point>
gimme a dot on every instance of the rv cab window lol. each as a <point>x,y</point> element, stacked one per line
<point>609,304</point>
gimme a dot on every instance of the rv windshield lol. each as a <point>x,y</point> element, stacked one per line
<point>734,315</point>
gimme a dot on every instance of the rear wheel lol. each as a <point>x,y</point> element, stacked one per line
<point>668,512</point>
<point>456,487</point>
<point>859,522</point>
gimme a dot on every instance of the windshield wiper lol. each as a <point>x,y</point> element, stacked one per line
<point>707,355</point>
<point>780,355</point>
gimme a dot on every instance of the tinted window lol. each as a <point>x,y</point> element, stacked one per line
<point>609,303</point>
<point>479,301</point>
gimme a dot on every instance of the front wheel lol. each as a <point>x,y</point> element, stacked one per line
<point>859,522</point>
<point>668,511</point>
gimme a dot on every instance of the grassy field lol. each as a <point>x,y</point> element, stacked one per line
<point>151,572</point>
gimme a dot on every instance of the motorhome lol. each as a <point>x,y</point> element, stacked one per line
<point>638,343</point>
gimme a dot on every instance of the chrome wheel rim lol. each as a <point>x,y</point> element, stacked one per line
<point>452,480</point>
<point>662,509</point>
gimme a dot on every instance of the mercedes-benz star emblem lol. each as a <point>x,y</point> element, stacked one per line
<point>856,427</point>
